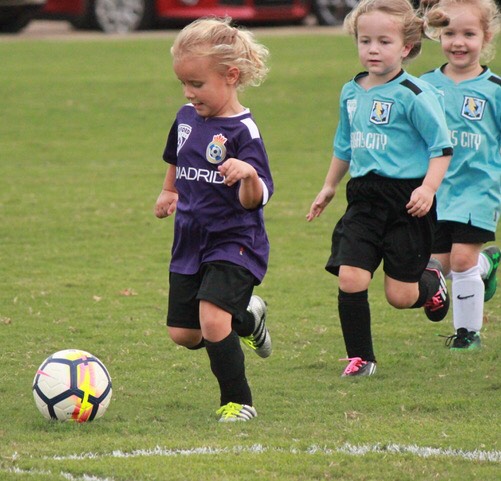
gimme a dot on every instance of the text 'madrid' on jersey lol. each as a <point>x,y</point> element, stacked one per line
<point>392,129</point>
<point>471,190</point>
<point>210,223</point>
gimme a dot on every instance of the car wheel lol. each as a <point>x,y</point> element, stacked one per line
<point>122,16</point>
<point>332,12</point>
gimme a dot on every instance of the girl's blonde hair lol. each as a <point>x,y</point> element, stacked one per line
<point>488,13</point>
<point>229,47</point>
<point>413,25</point>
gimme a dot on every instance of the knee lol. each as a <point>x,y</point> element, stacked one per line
<point>185,337</point>
<point>352,279</point>
<point>397,301</point>
<point>463,263</point>
<point>401,299</point>
<point>463,259</point>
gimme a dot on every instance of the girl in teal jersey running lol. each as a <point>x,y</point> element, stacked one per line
<point>469,199</point>
<point>392,137</point>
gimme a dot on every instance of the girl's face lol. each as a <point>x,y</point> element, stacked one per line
<point>462,40</point>
<point>381,46</point>
<point>212,93</point>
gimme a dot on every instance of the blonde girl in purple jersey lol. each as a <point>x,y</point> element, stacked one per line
<point>217,182</point>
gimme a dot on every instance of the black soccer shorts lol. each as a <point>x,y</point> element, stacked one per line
<point>224,284</point>
<point>377,228</point>
<point>448,233</point>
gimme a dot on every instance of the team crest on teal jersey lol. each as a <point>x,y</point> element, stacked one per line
<point>183,132</point>
<point>473,108</point>
<point>351,107</point>
<point>380,113</point>
<point>216,151</point>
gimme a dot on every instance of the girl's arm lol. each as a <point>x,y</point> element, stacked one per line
<point>167,200</point>
<point>250,192</point>
<point>421,199</point>
<point>336,172</point>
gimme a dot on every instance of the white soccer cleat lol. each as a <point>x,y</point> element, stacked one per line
<point>260,339</point>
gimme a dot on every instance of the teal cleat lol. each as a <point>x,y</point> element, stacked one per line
<point>463,340</point>
<point>493,255</point>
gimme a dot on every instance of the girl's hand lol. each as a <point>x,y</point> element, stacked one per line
<point>320,203</point>
<point>250,191</point>
<point>421,201</point>
<point>234,170</point>
<point>166,204</point>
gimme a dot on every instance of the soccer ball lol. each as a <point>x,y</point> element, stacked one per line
<point>72,385</point>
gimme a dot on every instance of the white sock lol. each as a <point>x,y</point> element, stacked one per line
<point>468,299</point>
<point>484,265</point>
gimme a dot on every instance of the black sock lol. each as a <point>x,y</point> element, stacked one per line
<point>243,324</point>
<point>355,316</point>
<point>227,364</point>
<point>428,287</point>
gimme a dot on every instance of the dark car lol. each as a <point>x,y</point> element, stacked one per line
<point>332,12</point>
<point>16,14</point>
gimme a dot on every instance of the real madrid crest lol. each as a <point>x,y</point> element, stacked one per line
<point>216,151</point>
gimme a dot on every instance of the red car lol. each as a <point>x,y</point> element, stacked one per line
<point>121,16</point>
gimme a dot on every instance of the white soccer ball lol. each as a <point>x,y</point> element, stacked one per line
<point>72,385</point>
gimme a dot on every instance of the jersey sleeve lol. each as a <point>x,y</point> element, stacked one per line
<point>342,144</point>
<point>170,151</point>
<point>251,149</point>
<point>428,116</point>
<point>497,107</point>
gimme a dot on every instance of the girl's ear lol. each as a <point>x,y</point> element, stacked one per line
<point>406,50</point>
<point>232,75</point>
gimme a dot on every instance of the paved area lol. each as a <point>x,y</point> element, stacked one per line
<point>60,30</point>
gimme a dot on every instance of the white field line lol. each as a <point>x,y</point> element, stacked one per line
<point>354,450</point>
<point>43,472</point>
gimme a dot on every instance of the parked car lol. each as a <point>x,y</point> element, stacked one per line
<point>121,16</point>
<point>16,14</point>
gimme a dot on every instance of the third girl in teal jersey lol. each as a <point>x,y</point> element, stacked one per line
<point>469,199</point>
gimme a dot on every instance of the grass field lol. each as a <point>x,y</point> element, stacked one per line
<point>84,265</point>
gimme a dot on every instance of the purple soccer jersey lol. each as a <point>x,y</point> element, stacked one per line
<point>210,223</point>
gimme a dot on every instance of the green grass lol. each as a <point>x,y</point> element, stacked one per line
<point>82,133</point>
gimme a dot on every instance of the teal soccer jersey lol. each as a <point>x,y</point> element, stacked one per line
<point>471,190</point>
<point>392,129</point>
